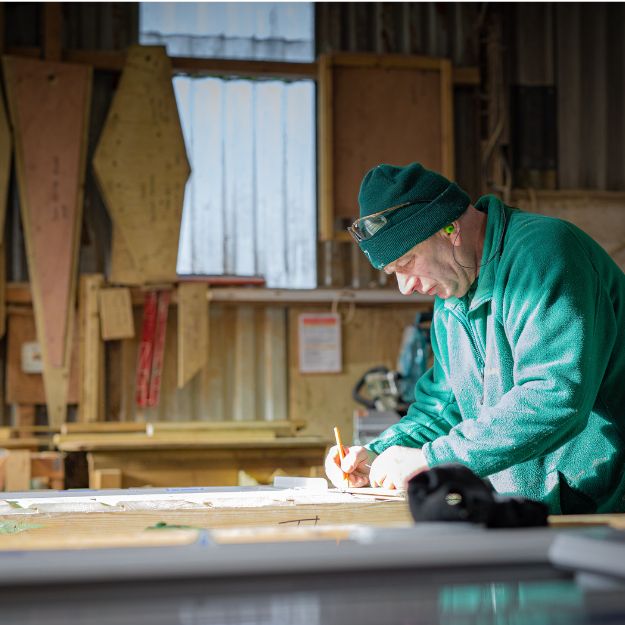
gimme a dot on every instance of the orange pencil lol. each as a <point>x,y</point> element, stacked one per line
<point>337,435</point>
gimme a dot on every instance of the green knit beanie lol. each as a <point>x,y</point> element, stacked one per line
<point>432,201</point>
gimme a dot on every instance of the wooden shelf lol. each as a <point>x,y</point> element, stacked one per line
<point>19,293</point>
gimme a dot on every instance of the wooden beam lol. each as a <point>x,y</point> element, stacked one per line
<point>91,349</point>
<point>52,31</point>
<point>17,470</point>
<point>113,61</point>
<point>192,330</point>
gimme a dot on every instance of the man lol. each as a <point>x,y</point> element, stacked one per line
<point>528,334</point>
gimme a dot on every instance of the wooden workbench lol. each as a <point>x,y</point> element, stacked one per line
<point>137,460</point>
<point>123,517</point>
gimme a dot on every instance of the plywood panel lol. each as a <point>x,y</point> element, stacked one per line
<point>49,105</point>
<point>27,388</point>
<point>378,109</point>
<point>371,338</point>
<point>192,330</point>
<point>141,163</point>
<point>116,320</point>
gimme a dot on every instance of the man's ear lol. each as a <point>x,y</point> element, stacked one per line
<point>451,232</point>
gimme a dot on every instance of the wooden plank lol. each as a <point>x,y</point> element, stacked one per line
<point>146,348</point>
<point>278,428</point>
<point>156,371</point>
<point>49,105</point>
<point>317,511</point>
<point>105,478</point>
<point>192,330</point>
<point>244,406</point>
<point>257,439</point>
<point>325,95</point>
<point>116,319</point>
<point>274,364</point>
<point>33,540</point>
<point>52,31</point>
<point>5,164</point>
<point>91,350</point>
<point>141,163</point>
<point>17,470</point>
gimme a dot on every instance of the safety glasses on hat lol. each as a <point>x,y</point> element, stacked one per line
<point>365,227</point>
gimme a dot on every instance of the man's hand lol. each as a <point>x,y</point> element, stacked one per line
<point>356,464</point>
<point>395,466</point>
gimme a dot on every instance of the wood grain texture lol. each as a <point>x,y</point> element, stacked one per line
<point>5,163</point>
<point>116,318</point>
<point>91,350</point>
<point>375,109</point>
<point>141,163</point>
<point>49,105</point>
<point>192,330</point>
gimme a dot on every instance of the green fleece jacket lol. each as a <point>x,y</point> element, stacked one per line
<point>528,382</point>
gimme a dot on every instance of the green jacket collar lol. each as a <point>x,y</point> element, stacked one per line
<point>498,217</point>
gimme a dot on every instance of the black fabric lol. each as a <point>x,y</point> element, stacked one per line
<point>452,492</point>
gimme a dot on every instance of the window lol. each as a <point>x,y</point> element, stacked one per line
<point>250,204</point>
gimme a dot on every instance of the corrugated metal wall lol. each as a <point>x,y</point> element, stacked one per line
<point>579,50</point>
<point>449,30</point>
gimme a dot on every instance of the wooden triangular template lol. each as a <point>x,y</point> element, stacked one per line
<point>49,106</point>
<point>141,163</point>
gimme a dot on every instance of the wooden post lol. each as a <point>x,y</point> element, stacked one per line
<point>23,416</point>
<point>91,352</point>
<point>52,31</point>
<point>17,470</point>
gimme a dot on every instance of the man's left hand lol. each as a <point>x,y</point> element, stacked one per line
<point>395,466</point>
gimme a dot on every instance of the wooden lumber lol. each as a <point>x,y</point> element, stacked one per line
<point>158,353</point>
<point>277,510</point>
<point>116,318</point>
<point>141,163</point>
<point>91,350</point>
<point>40,541</point>
<point>5,170</point>
<point>105,478</point>
<point>16,468</point>
<point>123,269</point>
<point>49,105</point>
<point>192,330</point>
<point>5,163</point>
<point>192,440</point>
<point>52,31</point>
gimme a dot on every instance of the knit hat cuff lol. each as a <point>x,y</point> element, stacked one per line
<point>412,226</point>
